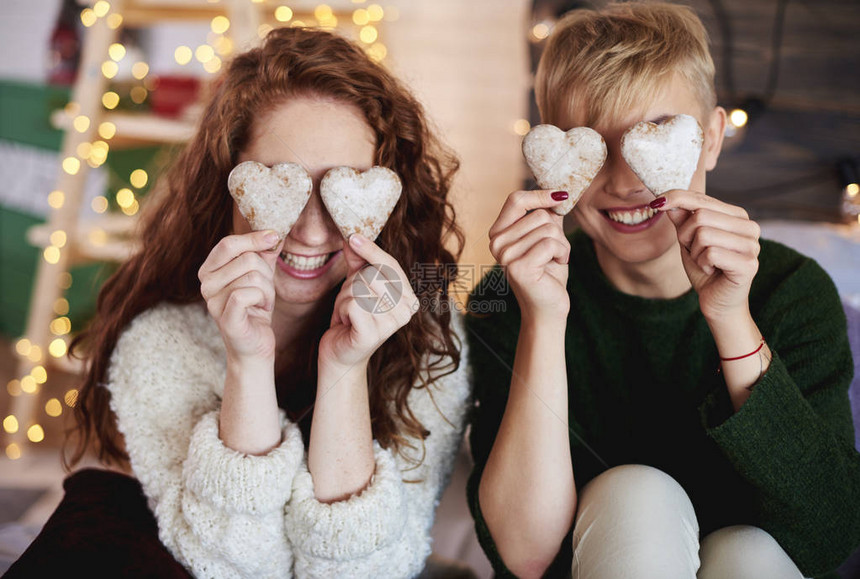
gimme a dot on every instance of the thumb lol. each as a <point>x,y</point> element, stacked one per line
<point>270,256</point>
<point>354,262</point>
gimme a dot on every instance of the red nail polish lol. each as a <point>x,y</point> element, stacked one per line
<point>657,203</point>
<point>559,195</point>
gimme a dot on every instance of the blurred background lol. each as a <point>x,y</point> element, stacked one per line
<point>95,97</point>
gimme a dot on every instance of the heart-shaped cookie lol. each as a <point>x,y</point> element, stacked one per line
<point>360,202</point>
<point>664,156</point>
<point>270,198</point>
<point>567,161</point>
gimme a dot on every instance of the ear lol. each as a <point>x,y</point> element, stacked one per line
<point>714,133</point>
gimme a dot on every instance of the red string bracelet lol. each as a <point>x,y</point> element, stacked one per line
<point>753,353</point>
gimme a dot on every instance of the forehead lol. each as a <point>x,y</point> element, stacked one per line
<point>317,133</point>
<point>669,98</point>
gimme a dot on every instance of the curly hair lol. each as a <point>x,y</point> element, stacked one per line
<point>192,212</point>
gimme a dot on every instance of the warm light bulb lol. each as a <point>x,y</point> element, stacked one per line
<point>220,24</point>
<point>116,51</point>
<point>138,178</point>
<point>114,21</point>
<point>81,123</point>
<point>101,8</point>
<point>28,384</point>
<point>738,118</point>
<point>58,238</point>
<point>107,130</point>
<point>51,254</point>
<point>61,326</point>
<point>71,397</point>
<point>522,127</point>
<point>110,100</point>
<point>212,65</point>
<point>99,204</point>
<point>39,374</point>
<point>138,94</point>
<point>23,346</point>
<point>124,197</point>
<point>56,199</point>
<point>183,55</point>
<point>368,34</point>
<point>360,17</point>
<point>61,306</point>
<point>852,189</point>
<point>283,14</point>
<point>88,17</point>
<point>36,433</point>
<point>71,165</point>
<point>58,348</point>
<point>10,424</point>
<point>13,387</point>
<point>13,451</point>
<point>323,12</point>
<point>375,12</point>
<point>53,408</point>
<point>204,53</point>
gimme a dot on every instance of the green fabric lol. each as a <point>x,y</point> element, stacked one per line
<point>644,388</point>
<point>25,111</point>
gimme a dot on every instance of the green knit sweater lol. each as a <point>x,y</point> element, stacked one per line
<point>644,388</point>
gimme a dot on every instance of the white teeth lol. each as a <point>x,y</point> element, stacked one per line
<point>303,263</point>
<point>632,217</point>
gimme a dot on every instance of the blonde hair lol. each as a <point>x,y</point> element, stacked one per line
<point>605,63</point>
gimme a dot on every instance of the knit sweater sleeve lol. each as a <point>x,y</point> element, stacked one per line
<point>219,512</point>
<point>384,531</point>
<point>793,438</point>
<point>491,330</point>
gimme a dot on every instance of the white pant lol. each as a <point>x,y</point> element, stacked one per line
<point>636,521</point>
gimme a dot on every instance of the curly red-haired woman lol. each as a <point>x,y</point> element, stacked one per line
<point>275,426</point>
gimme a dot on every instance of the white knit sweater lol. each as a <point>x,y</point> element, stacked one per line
<point>226,514</point>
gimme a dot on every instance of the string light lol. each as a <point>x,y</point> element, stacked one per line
<point>183,55</point>
<point>323,12</point>
<point>51,254</point>
<point>71,398</point>
<point>360,17</point>
<point>13,387</point>
<point>124,197</point>
<point>81,123</point>
<point>212,65</point>
<point>28,384</point>
<point>61,326</point>
<point>65,280</point>
<point>540,31</point>
<point>368,34</point>
<point>61,306</point>
<point>56,199</point>
<point>84,149</point>
<point>36,433</point>
<point>114,21</point>
<point>375,12</point>
<point>852,189</point>
<point>377,51</point>
<point>204,53</point>
<point>131,209</point>
<point>110,69</point>
<point>138,178</point>
<point>101,8</point>
<point>39,374</point>
<point>110,100</point>
<point>522,127</point>
<point>220,24</point>
<point>738,118</point>
<point>116,51</point>
<point>107,130</point>
<point>99,204</point>
<point>10,424</point>
<point>23,346</point>
<point>57,348</point>
<point>283,14</point>
<point>53,408</point>
<point>13,452</point>
<point>58,238</point>
<point>88,17</point>
<point>139,70</point>
<point>35,353</point>
<point>71,165</point>
<point>138,94</point>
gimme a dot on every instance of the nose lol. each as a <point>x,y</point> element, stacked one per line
<point>314,226</point>
<point>619,179</point>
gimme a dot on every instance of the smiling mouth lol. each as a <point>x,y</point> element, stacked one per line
<point>630,216</point>
<point>304,262</point>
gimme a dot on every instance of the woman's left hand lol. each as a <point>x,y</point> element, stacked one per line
<point>719,249</point>
<point>375,301</point>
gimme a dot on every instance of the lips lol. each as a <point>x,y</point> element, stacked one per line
<point>631,219</point>
<point>306,266</point>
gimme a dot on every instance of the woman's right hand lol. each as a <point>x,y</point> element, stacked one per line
<point>528,240</point>
<point>237,282</point>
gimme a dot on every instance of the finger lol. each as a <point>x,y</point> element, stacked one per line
<point>706,237</point>
<point>253,279</point>
<point>716,220</point>
<point>737,267</point>
<point>237,305</point>
<point>519,203</point>
<point>522,227</point>
<point>692,201</point>
<point>354,261</point>
<point>233,245</point>
<point>544,252</point>
<point>521,246</point>
<point>212,282</point>
<point>372,253</point>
